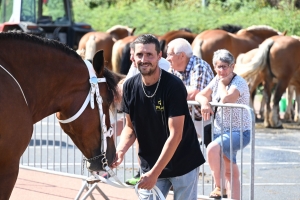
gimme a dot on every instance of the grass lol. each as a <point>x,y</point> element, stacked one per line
<point>149,17</point>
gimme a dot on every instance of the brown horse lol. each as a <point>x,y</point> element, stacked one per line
<point>171,35</point>
<point>105,41</point>
<point>40,77</point>
<point>276,62</point>
<point>207,42</point>
<point>120,51</point>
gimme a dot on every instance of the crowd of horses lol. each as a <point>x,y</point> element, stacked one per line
<point>264,56</point>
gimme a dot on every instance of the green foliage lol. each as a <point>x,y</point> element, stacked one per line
<point>160,16</point>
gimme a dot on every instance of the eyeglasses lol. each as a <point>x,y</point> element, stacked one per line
<point>224,67</point>
<point>172,54</point>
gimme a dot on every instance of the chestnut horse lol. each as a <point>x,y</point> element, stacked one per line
<point>105,41</point>
<point>121,49</point>
<point>276,62</point>
<point>171,35</point>
<point>40,77</point>
<point>207,42</point>
<point>121,54</point>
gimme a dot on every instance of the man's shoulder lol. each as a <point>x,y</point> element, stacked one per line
<point>169,77</point>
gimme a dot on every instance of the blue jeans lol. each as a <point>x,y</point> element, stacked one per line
<point>184,187</point>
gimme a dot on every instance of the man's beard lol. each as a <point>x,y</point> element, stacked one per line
<point>149,72</point>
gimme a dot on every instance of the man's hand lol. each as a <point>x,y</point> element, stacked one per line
<point>118,159</point>
<point>148,181</point>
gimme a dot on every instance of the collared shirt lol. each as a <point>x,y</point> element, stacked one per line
<point>197,75</point>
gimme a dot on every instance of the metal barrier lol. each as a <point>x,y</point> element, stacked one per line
<point>251,115</point>
<point>51,149</point>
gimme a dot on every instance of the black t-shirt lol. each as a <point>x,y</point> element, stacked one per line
<point>149,117</point>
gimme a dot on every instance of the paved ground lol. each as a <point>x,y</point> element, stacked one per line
<point>35,185</point>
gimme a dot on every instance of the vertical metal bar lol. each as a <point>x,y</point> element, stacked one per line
<point>34,145</point>
<point>221,158</point>
<point>41,143</point>
<point>28,150</point>
<point>212,137</point>
<point>47,141</point>
<point>74,158</point>
<point>231,157</point>
<point>252,156</point>
<point>60,149</point>
<point>67,146</point>
<point>241,147</point>
<point>81,167</point>
<point>54,132</point>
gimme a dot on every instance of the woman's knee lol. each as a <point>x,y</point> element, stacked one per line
<point>213,149</point>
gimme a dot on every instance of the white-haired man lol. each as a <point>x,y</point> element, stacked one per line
<point>193,71</point>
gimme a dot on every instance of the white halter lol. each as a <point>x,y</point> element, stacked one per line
<point>90,99</point>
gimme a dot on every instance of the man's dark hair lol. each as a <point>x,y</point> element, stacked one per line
<point>146,39</point>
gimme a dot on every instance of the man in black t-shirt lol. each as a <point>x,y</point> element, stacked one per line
<point>157,115</point>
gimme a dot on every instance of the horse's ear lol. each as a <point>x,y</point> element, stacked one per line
<point>284,33</point>
<point>98,63</point>
<point>132,32</point>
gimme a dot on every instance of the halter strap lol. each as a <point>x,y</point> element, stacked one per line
<point>93,78</point>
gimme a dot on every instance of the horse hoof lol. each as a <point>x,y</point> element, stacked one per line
<point>278,127</point>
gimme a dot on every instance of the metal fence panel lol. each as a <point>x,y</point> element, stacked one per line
<point>50,148</point>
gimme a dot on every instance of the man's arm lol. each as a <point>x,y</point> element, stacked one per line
<point>191,93</point>
<point>149,179</point>
<point>127,139</point>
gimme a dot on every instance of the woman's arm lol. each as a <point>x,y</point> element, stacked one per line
<point>204,97</point>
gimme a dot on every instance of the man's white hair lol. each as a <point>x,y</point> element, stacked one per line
<point>181,45</point>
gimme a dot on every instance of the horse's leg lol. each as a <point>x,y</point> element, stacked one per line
<point>262,107</point>
<point>274,118</point>
<point>297,109</point>
<point>289,97</point>
<point>15,134</point>
<point>267,97</point>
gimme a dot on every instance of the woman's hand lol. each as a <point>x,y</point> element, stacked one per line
<point>206,111</point>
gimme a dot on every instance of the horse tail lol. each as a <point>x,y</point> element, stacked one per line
<point>240,58</point>
<point>125,59</point>
<point>197,48</point>
<point>90,48</point>
<point>257,63</point>
<point>116,57</point>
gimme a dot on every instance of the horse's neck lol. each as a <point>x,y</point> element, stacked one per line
<point>49,82</point>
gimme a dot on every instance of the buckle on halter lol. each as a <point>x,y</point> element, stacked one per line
<point>94,80</point>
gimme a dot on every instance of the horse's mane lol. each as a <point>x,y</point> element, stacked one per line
<point>38,40</point>
<point>296,37</point>
<point>115,27</point>
<point>112,80</point>
<point>262,27</point>
<point>229,28</point>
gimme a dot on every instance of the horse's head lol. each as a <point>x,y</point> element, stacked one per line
<point>89,130</point>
